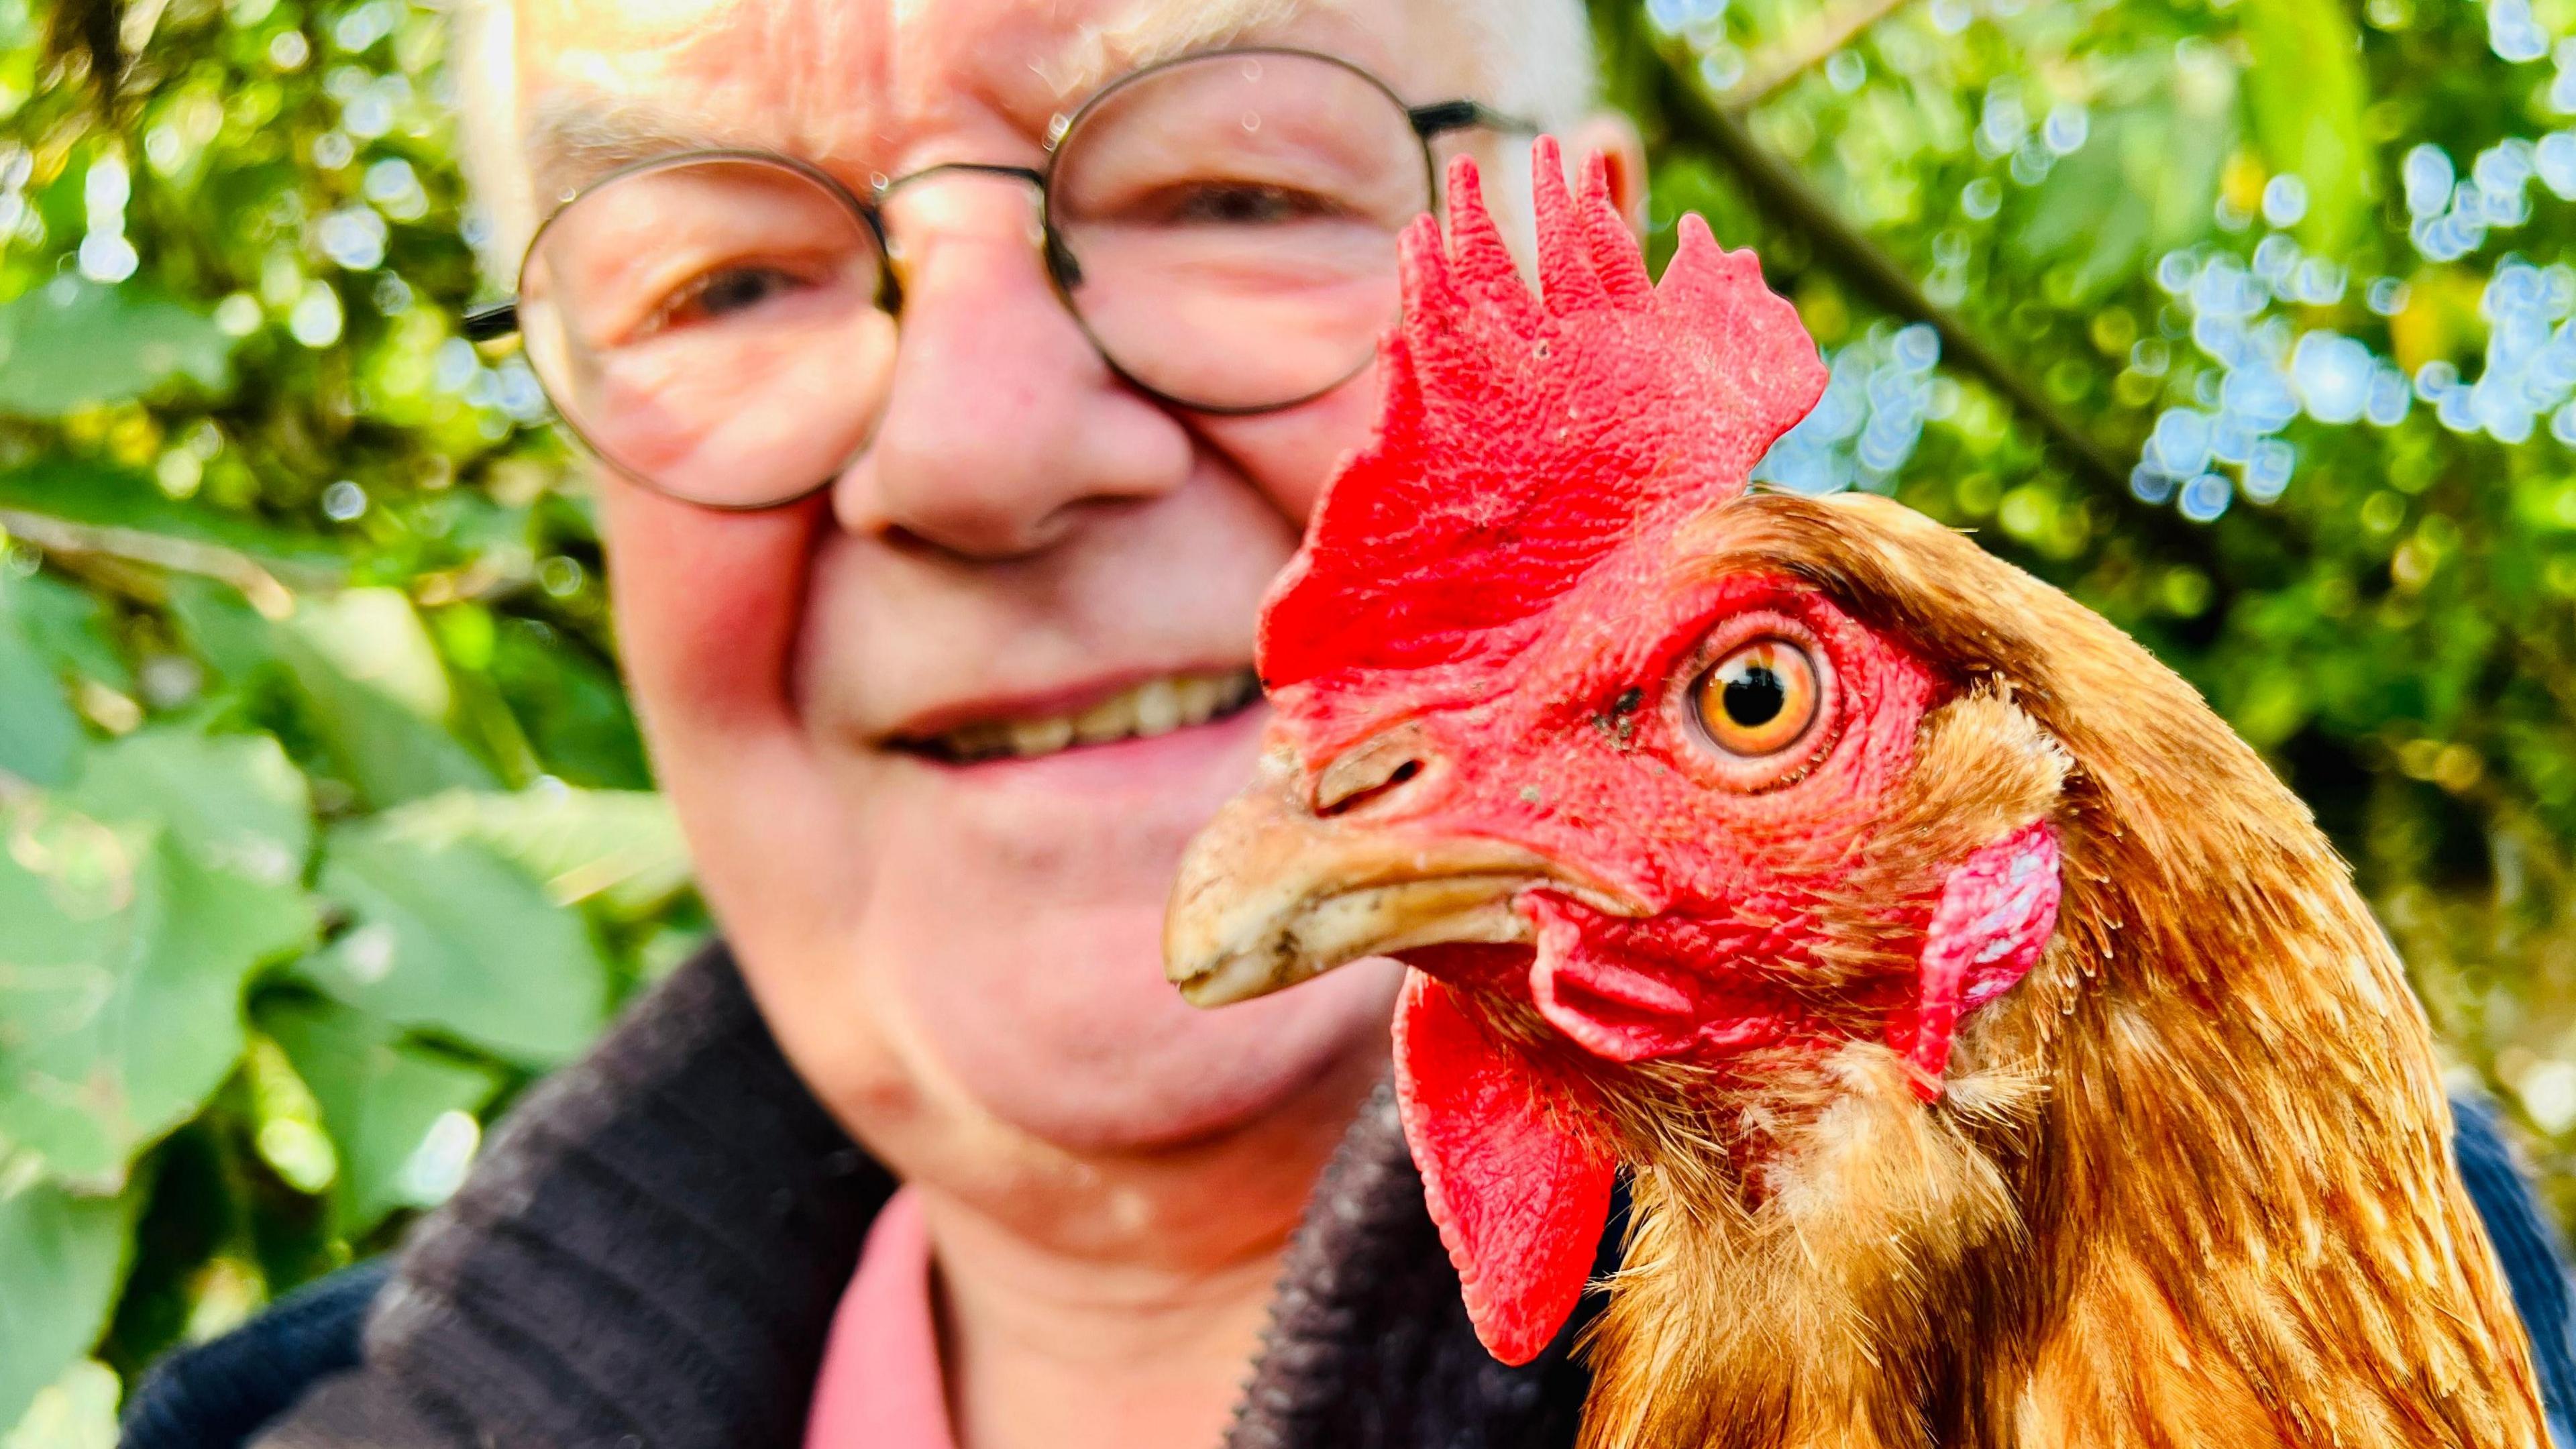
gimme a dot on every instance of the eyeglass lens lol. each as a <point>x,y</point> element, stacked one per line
<point>713,326</point>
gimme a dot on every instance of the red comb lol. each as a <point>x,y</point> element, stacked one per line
<point>1520,440</point>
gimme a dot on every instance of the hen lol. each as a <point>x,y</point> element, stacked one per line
<point>1999,1053</point>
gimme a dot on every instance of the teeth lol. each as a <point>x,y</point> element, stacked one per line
<point>1158,708</point>
<point>1040,737</point>
<point>1197,696</point>
<point>1105,721</point>
<point>1155,707</point>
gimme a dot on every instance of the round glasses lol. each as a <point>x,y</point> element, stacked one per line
<point>720,326</point>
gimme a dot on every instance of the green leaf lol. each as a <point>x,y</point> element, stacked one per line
<point>76,1411</point>
<point>379,1097</point>
<point>227,633</point>
<point>120,1010</point>
<point>2307,94</point>
<point>62,1257</point>
<point>378,695</point>
<point>69,344</point>
<point>40,736</point>
<point>373,690</point>
<point>620,847</point>
<point>2143,184</point>
<point>375,637</point>
<point>233,802</point>
<point>572,706</point>
<point>66,626</point>
<point>454,938</point>
<point>2179,172</point>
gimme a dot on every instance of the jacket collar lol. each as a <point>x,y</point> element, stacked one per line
<point>650,1250</point>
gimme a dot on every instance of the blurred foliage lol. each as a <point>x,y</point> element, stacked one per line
<point>327,825</point>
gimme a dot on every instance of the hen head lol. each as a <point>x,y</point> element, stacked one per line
<point>1636,797</point>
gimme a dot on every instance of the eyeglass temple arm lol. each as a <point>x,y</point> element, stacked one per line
<point>1442,117</point>
<point>483,324</point>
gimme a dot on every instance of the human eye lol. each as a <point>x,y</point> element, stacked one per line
<point>727,293</point>
<point>1240,203</point>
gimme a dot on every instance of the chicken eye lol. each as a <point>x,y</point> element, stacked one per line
<point>1759,700</point>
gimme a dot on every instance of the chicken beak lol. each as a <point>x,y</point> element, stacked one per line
<point>1274,892</point>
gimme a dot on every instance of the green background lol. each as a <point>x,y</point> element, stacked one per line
<point>327,828</point>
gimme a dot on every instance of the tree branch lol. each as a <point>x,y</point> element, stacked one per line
<point>1806,49</point>
<point>134,545</point>
<point>1777,188</point>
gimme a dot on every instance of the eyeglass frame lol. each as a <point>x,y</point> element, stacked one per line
<point>1064,270</point>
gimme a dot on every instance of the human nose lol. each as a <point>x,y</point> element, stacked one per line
<point>1001,422</point>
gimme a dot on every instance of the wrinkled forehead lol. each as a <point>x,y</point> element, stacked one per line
<point>892,84</point>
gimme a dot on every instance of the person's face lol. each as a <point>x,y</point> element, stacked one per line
<point>945,948</point>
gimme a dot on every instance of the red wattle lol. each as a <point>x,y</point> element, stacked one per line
<point>1615,1005</point>
<point>1520,1196</point>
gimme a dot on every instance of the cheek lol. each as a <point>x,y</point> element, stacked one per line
<point>1289,455</point>
<point>1888,696</point>
<point>1673,837</point>
<point>708,607</point>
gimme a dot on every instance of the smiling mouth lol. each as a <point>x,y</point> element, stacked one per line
<point>1140,711</point>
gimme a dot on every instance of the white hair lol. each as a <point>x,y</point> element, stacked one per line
<point>1532,58</point>
<point>1536,58</point>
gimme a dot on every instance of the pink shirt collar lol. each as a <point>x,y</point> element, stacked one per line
<point>881,1386</point>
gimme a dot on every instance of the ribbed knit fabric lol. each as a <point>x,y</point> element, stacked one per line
<point>219,1393</point>
<point>2535,1262</point>
<point>1369,1346</point>
<point>648,1253</point>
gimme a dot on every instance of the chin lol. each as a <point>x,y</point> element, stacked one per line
<point>1018,933</point>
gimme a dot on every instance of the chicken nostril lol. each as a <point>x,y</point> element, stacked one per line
<point>1363,778</point>
<point>1343,801</point>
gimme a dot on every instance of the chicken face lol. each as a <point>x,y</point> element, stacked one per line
<point>1656,803</point>
<point>1610,782</point>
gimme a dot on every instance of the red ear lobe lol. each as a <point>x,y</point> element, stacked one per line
<point>1521,1196</point>
<point>1997,910</point>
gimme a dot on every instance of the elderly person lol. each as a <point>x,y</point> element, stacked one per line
<point>957,375</point>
